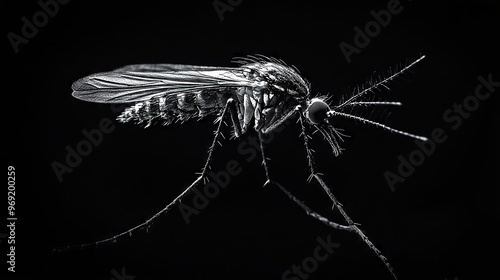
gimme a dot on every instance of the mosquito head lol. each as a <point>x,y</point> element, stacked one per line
<point>316,111</point>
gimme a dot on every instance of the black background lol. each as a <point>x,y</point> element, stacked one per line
<point>438,224</point>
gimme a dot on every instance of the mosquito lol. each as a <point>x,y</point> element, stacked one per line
<point>259,93</point>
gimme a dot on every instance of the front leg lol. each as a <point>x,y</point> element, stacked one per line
<point>317,177</point>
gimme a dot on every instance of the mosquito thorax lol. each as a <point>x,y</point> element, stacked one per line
<point>316,111</point>
<point>280,77</point>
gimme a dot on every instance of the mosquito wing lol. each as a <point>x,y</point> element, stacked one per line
<point>136,83</point>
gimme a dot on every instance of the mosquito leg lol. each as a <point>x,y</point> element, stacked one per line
<point>234,117</point>
<point>302,205</point>
<point>264,159</point>
<point>317,177</point>
<point>313,214</point>
<point>167,208</point>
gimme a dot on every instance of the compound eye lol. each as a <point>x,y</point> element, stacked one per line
<point>317,111</point>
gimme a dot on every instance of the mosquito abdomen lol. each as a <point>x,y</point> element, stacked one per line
<point>174,108</point>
